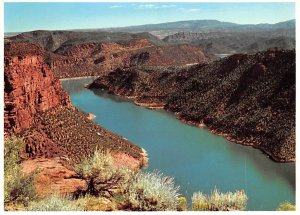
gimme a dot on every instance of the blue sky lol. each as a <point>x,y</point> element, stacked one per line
<point>19,17</point>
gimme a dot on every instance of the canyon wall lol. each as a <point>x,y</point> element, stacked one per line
<point>38,109</point>
<point>30,87</point>
<point>249,99</point>
<point>94,59</point>
<point>75,54</point>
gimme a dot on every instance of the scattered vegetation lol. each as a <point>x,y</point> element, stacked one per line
<point>110,188</point>
<point>152,192</point>
<point>218,201</point>
<point>55,203</point>
<point>18,187</point>
<point>286,206</point>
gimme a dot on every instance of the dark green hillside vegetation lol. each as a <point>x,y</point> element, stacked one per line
<point>250,99</point>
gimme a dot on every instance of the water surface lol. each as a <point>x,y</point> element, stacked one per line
<point>196,158</point>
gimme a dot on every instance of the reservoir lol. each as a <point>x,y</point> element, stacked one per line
<point>197,159</point>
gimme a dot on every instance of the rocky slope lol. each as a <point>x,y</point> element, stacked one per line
<point>75,54</point>
<point>249,99</point>
<point>94,59</point>
<point>37,108</point>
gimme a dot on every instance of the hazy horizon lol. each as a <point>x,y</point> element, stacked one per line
<point>23,17</point>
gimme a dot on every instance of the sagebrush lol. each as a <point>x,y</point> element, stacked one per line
<point>55,203</point>
<point>18,187</point>
<point>218,201</point>
<point>286,206</point>
<point>152,191</point>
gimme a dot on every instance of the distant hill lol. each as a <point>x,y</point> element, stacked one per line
<point>164,29</point>
<point>236,42</point>
<point>52,40</point>
<point>211,36</point>
<point>206,26</point>
<point>76,54</point>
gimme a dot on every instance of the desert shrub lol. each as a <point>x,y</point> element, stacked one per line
<point>181,204</point>
<point>92,166</point>
<point>103,177</point>
<point>55,203</point>
<point>152,192</point>
<point>218,201</point>
<point>200,202</point>
<point>286,206</point>
<point>18,187</point>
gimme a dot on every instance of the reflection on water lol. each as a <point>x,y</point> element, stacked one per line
<point>196,158</point>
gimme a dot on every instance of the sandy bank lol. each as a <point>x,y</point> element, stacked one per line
<point>76,78</point>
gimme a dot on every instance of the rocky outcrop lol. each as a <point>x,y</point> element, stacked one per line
<point>77,54</point>
<point>30,87</point>
<point>53,177</point>
<point>249,99</point>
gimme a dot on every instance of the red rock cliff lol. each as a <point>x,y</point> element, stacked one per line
<point>30,86</point>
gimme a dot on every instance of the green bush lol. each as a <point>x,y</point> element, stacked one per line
<point>104,178</point>
<point>18,187</point>
<point>55,203</point>
<point>286,206</point>
<point>219,201</point>
<point>152,192</point>
<point>93,166</point>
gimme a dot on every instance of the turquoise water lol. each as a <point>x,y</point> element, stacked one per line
<point>196,158</point>
<point>223,55</point>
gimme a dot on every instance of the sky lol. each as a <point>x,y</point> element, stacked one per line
<point>20,17</point>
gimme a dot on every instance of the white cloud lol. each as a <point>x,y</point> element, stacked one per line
<point>194,9</point>
<point>168,6</point>
<point>147,6</point>
<point>154,6</point>
<point>117,6</point>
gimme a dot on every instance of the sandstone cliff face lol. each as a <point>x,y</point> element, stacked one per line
<point>249,99</point>
<point>30,87</point>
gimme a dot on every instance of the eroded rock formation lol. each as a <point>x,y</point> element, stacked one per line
<point>30,87</point>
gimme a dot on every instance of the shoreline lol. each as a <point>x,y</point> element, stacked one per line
<point>222,134</point>
<point>151,106</point>
<point>234,140</point>
<point>155,106</point>
<point>76,78</point>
